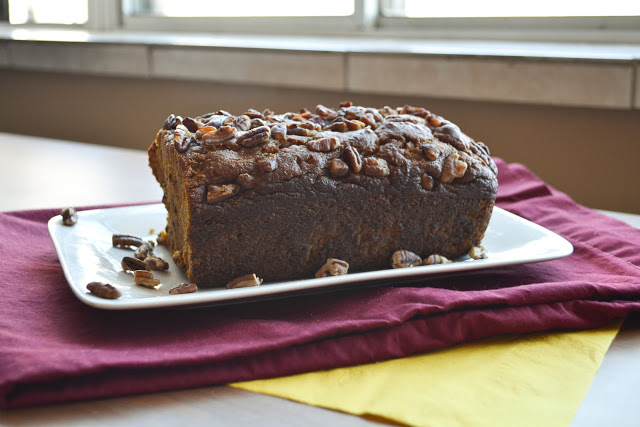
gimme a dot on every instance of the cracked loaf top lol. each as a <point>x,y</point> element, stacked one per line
<point>393,149</point>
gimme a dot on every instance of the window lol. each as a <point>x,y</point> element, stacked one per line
<point>48,12</point>
<point>237,8</point>
<point>610,20</point>
<point>501,8</point>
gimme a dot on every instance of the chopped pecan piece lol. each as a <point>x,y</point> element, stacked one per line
<point>374,166</point>
<point>426,181</point>
<point>478,252</point>
<point>415,111</point>
<point>279,132</point>
<point>218,193</point>
<point>296,129</point>
<point>246,181</point>
<point>436,259</point>
<point>171,122</point>
<point>192,124</point>
<point>324,144</point>
<point>133,264</point>
<point>354,124</point>
<point>156,263</point>
<point>403,259</point>
<point>246,281</point>
<point>333,267</point>
<point>125,240</point>
<point>338,168</point>
<point>146,279</point>
<point>430,152</point>
<point>268,163</point>
<point>144,250</point>
<point>326,113</point>
<point>184,288</point>
<point>181,138</point>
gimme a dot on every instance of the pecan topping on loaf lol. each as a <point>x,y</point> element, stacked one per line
<point>226,154</point>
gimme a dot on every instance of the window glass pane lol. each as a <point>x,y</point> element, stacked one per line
<point>246,8</point>
<point>509,8</point>
<point>48,11</point>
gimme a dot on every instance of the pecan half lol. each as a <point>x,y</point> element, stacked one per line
<point>436,259</point>
<point>218,193</point>
<point>133,264</point>
<point>255,136</point>
<point>333,267</point>
<point>69,216</point>
<point>181,138</point>
<point>246,281</point>
<point>125,240</point>
<point>353,159</point>
<point>374,166</point>
<point>453,168</point>
<point>324,144</point>
<point>403,259</point>
<point>103,290</point>
<point>338,168</point>
<point>184,288</point>
<point>242,122</point>
<point>222,134</point>
<point>146,279</point>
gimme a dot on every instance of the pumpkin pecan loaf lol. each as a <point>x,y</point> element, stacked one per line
<point>279,194</point>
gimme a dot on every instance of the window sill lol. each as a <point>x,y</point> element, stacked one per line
<point>565,74</point>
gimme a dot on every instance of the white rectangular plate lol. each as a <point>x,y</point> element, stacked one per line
<point>87,255</point>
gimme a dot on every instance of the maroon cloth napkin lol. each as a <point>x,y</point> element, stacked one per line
<point>54,348</point>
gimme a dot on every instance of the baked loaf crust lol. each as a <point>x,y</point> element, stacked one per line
<point>279,194</point>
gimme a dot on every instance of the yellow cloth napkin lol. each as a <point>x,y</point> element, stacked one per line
<point>534,379</point>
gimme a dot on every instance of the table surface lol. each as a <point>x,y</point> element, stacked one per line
<point>43,173</point>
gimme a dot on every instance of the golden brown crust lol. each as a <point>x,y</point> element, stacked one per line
<point>277,195</point>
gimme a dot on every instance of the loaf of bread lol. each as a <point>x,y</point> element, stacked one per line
<point>278,194</point>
